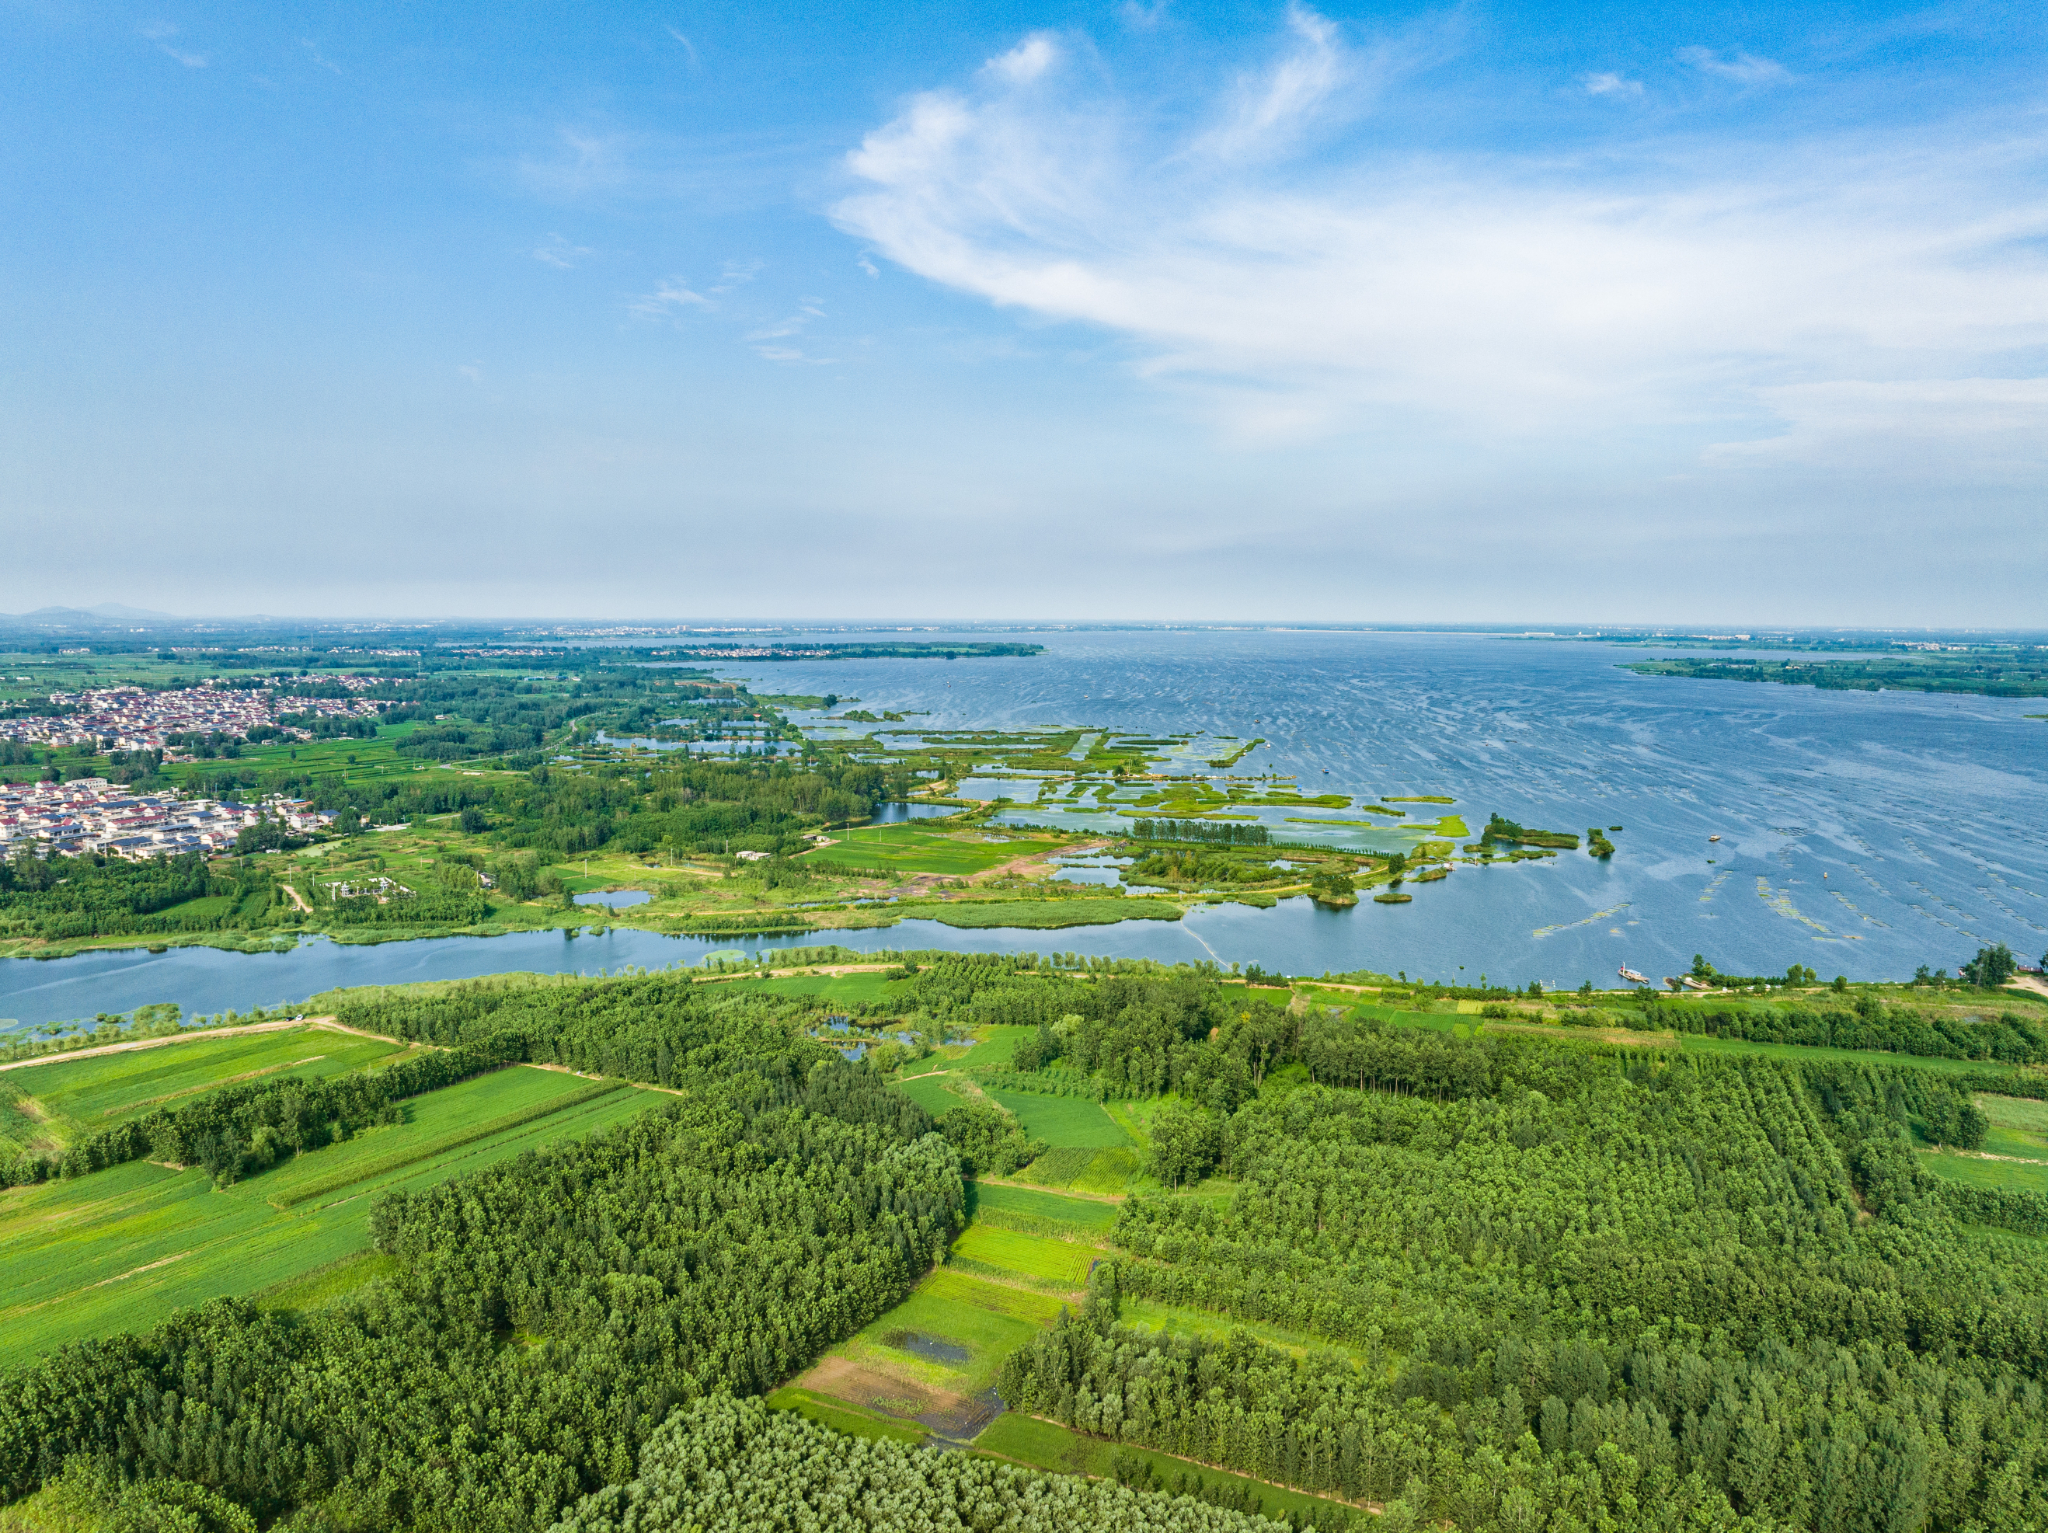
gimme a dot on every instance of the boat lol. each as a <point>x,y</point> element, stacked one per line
<point>1713,838</point>
<point>1631,976</point>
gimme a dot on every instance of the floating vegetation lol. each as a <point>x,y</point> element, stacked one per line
<point>1391,898</point>
<point>1565,926</point>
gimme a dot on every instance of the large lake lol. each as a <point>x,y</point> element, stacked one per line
<point>1861,833</point>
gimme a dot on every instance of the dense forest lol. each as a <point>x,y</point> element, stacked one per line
<point>1560,1277</point>
<point>723,1457</point>
<point>784,1200</point>
<point>1502,1283</point>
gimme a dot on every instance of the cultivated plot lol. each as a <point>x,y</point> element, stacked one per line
<point>120,1249</point>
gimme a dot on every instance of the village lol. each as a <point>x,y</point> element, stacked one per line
<point>134,718</point>
<point>91,814</point>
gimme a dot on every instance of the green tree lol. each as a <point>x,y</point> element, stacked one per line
<point>1185,1144</point>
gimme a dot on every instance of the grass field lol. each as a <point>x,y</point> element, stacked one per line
<point>1047,915</point>
<point>1064,1122</point>
<point>931,1093</point>
<point>875,988</point>
<point>994,1046</point>
<point>48,1106</point>
<point>1084,1214</point>
<point>2005,1175</point>
<point>912,848</point>
<point>120,1249</point>
<point>2018,1126</point>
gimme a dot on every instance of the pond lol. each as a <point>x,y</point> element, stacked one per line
<point>615,899</point>
<point>898,813</point>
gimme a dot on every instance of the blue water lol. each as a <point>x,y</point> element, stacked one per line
<point>615,899</point>
<point>1925,814</point>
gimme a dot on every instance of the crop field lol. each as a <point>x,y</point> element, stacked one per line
<point>1089,1214</point>
<point>120,1249</point>
<point>1029,1256</point>
<point>1064,1122</point>
<point>910,848</point>
<point>49,1105</point>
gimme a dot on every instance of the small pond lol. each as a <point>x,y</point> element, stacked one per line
<point>615,899</point>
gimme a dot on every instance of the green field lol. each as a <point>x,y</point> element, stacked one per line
<point>120,1249</point>
<point>1031,1256</point>
<point>994,1046</point>
<point>930,1093</point>
<point>875,988</point>
<point>1064,1122</point>
<point>1046,915</point>
<point>912,848</point>
<point>1089,1214</point>
<point>2003,1175</point>
<point>47,1106</point>
<point>958,1312</point>
<point>2018,1126</point>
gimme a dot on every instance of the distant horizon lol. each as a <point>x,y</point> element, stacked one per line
<point>657,627</point>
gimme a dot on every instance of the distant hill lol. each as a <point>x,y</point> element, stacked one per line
<point>106,611</point>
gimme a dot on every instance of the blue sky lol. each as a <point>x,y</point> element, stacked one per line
<point>1110,311</point>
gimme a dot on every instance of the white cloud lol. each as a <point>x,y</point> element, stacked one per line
<point>1483,292</point>
<point>313,52</point>
<point>1025,62</point>
<point>1611,84</point>
<point>688,47</point>
<point>1913,428</point>
<point>161,33</point>
<point>559,253</point>
<point>1743,68</point>
<point>787,329</point>
<point>670,297</point>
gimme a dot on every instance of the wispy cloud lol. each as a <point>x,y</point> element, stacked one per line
<point>1742,68</point>
<point>1611,84</point>
<point>558,252</point>
<point>770,342</point>
<point>161,33</point>
<point>688,47</point>
<point>321,60</point>
<point>1269,107</point>
<point>1672,287</point>
<point>671,296</point>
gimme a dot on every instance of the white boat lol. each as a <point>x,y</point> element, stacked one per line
<point>1713,838</point>
<point>1631,976</point>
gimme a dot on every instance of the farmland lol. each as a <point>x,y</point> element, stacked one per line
<point>126,1246</point>
<point>1063,1122</point>
<point>915,848</point>
<point>46,1106</point>
<point>1309,1250</point>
